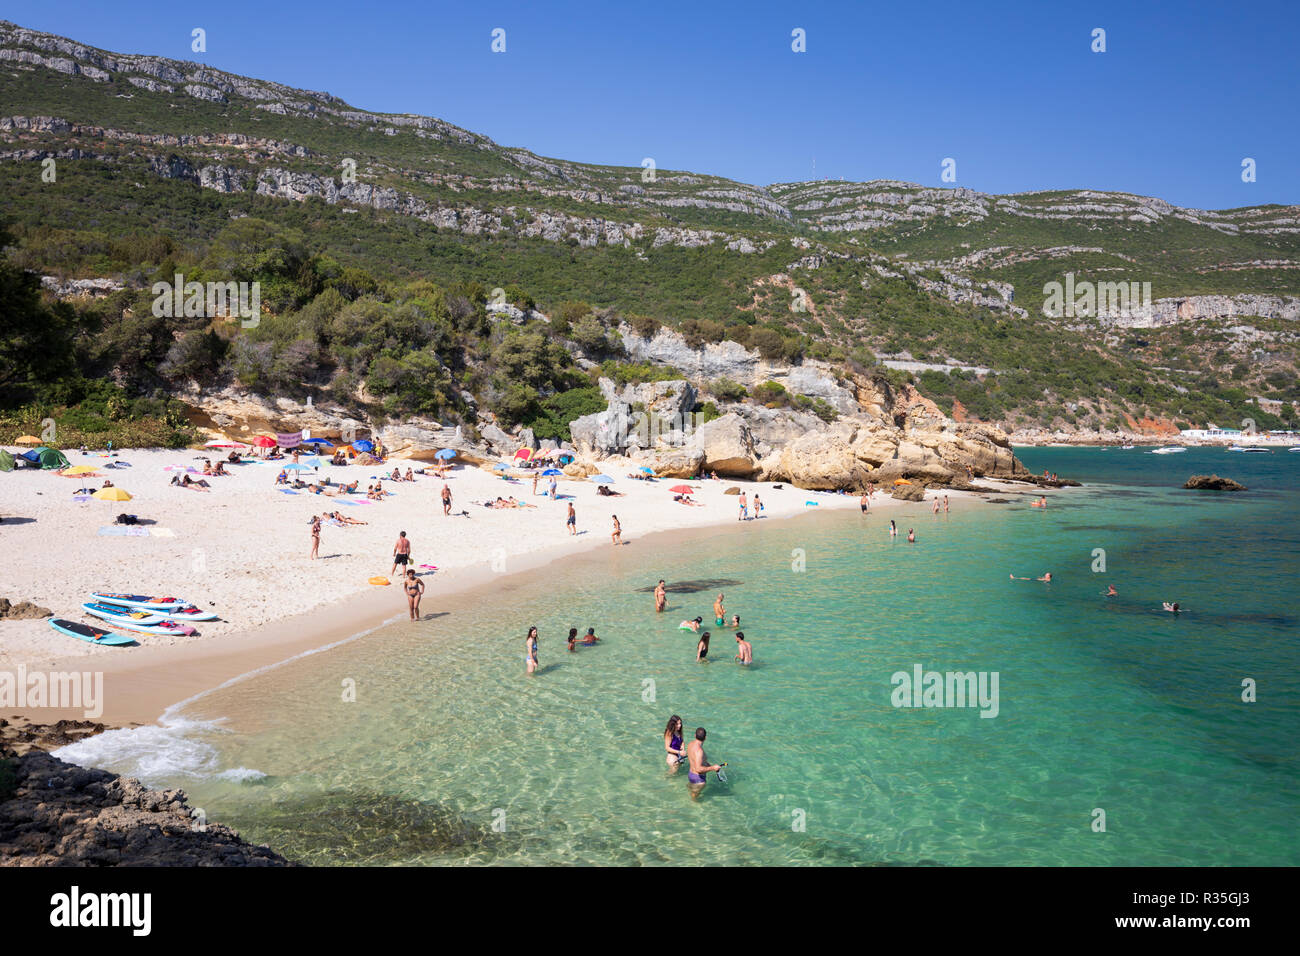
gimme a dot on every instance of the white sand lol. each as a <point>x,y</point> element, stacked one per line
<point>242,548</point>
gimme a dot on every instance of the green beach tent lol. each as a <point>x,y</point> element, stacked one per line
<point>52,458</point>
<point>6,461</point>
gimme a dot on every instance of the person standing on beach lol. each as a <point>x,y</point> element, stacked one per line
<point>744,508</point>
<point>446,499</point>
<point>758,507</point>
<point>572,520</point>
<point>414,590</point>
<point>864,503</point>
<point>536,476</point>
<point>315,536</point>
<point>552,488</point>
<point>661,596</point>
<point>744,650</point>
<point>401,551</point>
<point>530,651</point>
<point>617,536</point>
<point>699,763</point>
<point>719,612</point>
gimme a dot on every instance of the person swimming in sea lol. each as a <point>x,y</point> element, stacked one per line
<point>673,743</point>
<point>590,637</point>
<point>893,529</point>
<point>735,621</point>
<point>1110,591</point>
<point>911,535</point>
<point>1046,578</point>
<point>702,649</point>
<point>1172,608</point>
<point>573,640</point>
<point>693,625</point>
<point>700,768</point>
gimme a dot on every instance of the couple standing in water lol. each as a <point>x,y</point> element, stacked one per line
<point>699,767</point>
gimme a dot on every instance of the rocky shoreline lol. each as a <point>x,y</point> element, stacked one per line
<point>54,813</point>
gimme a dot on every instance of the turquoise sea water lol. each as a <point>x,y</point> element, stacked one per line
<point>450,755</point>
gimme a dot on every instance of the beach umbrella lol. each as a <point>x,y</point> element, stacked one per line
<point>644,470</point>
<point>523,453</point>
<point>261,441</point>
<point>28,440</point>
<point>682,489</point>
<point>501,466</point>
<point>445,453</point>
<point>295,466</point>
<point>317,441</point>
<point>551,471</point>
<point>364,445</point>
<point>602,479</point>
<point>112,494</point>
<point>79,470</point>
<point>223,444</point>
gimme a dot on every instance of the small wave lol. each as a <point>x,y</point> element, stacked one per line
<point>154,754</point>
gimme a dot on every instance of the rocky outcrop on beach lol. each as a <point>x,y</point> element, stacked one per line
<point>54,813</point>
<point>1213,483</point>
<point>22,611</point>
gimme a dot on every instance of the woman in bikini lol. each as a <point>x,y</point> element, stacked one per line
<point>414,590</point>
<point>530,651</point>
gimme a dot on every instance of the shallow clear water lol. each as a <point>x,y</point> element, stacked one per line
<point>451,755</point>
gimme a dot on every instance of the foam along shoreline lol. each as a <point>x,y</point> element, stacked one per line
<point>473,555</point>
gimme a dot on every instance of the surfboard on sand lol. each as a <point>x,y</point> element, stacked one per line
<point>92,635</point>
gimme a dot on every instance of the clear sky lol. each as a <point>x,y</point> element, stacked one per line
<point>1011,91</point>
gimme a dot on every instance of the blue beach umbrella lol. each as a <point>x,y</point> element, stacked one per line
<point>446,453</point>
<point>648,471</point>
<point>501,466</point>
<point>551,471</point>
<point>364,445</point>
<point>295,466</point>
<point>602,479</point>
<point>317,441</point>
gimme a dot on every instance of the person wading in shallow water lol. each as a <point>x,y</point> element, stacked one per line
<point>661,596</point>
<point>700,766</point>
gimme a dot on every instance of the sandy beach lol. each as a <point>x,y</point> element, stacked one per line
<point>242,550</point>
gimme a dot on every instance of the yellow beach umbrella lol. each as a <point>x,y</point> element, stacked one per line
<point>29,440</point>
<point>112,494</point>
<point>80,470</point>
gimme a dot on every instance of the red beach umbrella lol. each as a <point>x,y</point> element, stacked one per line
<point>682,489</point>
<point>261,441</point>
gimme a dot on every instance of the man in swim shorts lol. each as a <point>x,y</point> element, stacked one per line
<point>744,650</point>
<point>719,612</point>
<point>446,499</point>
<point>572,521</point>
<point>401,552</point>
<point>700,766</point>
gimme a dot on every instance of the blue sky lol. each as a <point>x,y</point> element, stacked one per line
<point>1011,91</point>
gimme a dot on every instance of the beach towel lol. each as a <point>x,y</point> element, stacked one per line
<point>286,491</point>
<point>122,531</point>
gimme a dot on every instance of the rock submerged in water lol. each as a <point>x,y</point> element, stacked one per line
<point>1213,483</point>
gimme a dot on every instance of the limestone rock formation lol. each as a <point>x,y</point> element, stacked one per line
<point>1213,483</point>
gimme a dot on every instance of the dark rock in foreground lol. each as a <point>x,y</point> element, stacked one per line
<point>54,813</point>
<point>1213,483</point>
